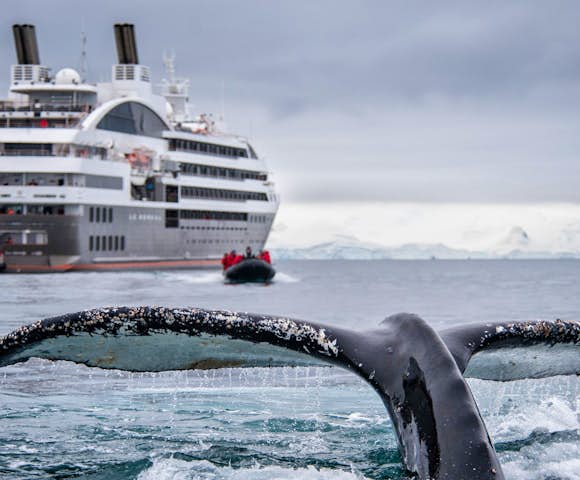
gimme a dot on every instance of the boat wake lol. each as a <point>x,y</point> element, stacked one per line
<point>205,277</point>
<point>197,277</point>
<point>282,277</point>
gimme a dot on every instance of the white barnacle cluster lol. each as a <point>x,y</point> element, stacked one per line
<point>538,331</point>
<point>18,336</point>
<point>107,321</point>
<point>166,315</point>
<point>287,329</point>
<point>532,329</point>
<point>486,335</point>
<point>571,328</point>
<point>329,345</point>
<point>227,317</point>
<point>545,330</point>
<point>219,320</point>
<point>185,316</point>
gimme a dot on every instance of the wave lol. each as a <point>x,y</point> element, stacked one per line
<point>558,461</point>
<point>175,469</point>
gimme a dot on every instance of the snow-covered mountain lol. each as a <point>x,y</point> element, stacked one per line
<point>398,230</point>
<point>349,248</point>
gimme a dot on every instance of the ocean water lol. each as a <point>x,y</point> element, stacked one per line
<point>60,420</point>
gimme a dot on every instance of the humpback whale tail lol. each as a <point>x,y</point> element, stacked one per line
<point>418,373</point>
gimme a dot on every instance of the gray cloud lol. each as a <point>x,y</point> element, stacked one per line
<point>371,100</point>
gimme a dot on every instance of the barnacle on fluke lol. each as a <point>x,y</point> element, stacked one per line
<point>417,372</point>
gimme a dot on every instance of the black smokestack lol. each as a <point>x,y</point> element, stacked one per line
<point>126,45</point>
<point>26,45</point>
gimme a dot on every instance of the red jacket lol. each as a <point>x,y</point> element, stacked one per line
<point>265,255</point>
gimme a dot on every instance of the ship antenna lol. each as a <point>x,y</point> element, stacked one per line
<point>223,113</point>
<point>84,66</point>
<point>169,62</point>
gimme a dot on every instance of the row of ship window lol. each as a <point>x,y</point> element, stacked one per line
<point>104,243</point>
<point>241,242</point>
<point>215,228</point>
<point>258,218</point>
<point>51,150</point>
<point>207,215</point>
<point>105,215</point>
<point>172,216</point>
<point>176,145</point>
<point>231,173</point>
<point>179,145</point>
<point>100,215</point>
<point>60,179</point>
<point>217,194</point>
<point>32,209</point>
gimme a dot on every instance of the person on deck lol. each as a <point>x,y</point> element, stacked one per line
<point>249,253</point>
<point>265,255</point>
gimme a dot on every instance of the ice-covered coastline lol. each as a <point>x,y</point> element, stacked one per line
<point>351,250</point>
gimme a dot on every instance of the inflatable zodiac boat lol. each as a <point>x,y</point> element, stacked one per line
<point>251,270</point>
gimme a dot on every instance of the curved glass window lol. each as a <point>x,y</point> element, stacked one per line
<point>133,118</point>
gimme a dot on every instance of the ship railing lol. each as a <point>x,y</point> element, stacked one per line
<point>37,123</point>
<point>46,153</point>
<point>23,152</point>
<point>67,107</point>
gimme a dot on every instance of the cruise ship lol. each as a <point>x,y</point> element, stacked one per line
<point>114,176</point>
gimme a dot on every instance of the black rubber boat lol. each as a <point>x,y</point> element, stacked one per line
<point>251,270</point>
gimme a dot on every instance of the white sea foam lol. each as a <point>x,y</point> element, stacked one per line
<point>551,415</point>
<point>282,277</point>
<point>529,409</point>
<point>538,462</point>
<point>174,469</point>
<point>360,418</point>
<point>198,277</point>
<point>515,410</point>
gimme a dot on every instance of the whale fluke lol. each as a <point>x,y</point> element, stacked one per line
<point>417,372</point>
<point>155,339</point>
<point>516,350</point>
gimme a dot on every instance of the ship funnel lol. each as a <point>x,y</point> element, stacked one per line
<point>26,45</point>
<point>126,45</point>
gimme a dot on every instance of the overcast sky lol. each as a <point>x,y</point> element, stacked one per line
<point>362,101</point>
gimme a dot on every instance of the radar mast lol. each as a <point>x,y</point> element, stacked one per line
<point>175,90</point>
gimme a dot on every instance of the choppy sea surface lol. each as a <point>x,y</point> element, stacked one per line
<point>60,420</point>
